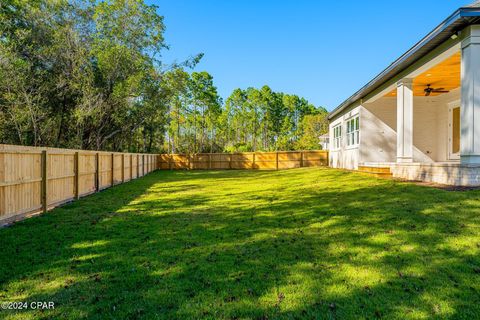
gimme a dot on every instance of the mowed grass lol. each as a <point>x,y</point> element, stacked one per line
<point>304,243</point>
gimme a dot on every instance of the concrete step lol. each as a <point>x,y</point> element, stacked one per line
<point>374,169</point>
<point>377,174</point>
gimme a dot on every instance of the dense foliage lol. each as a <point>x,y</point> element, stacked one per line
<point>87,74</point>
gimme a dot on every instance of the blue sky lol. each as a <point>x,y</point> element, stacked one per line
<point>321,50</point>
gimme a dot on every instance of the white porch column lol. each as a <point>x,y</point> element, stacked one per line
<point>405,121</point>
<point>470,105</point>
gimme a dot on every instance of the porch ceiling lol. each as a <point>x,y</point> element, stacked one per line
<point>446,75</point>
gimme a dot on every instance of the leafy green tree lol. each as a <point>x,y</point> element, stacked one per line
<point>87,74</point>
<point>311,128</point>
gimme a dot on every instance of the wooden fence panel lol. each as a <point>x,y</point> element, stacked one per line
<point>118,168</point>
<point>150,163</point>
<point>20,182</point>
<point>315,158</point>
<point>180,161</point>
<point>36,179</point>
<point>61,177</point>
<point>199,161</point>
<point>245,160</point>
<point>289,160</point>
<point>134,166</point>
<point>242,160</point>
<point>220,161</point>
<point>105,170</point>
<point>164,161</point>
<point>265,161</point>
<point>87,173</point>
<point>126,167</point>
<point>140,165</point>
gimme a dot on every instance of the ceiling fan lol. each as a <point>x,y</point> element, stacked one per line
<point>428,90</point>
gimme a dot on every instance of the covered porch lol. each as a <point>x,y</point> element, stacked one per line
<point>426,125</point>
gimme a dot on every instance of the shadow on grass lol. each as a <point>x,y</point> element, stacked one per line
<point>313,243</point>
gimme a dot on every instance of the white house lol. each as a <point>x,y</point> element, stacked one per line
<point>420,117</point>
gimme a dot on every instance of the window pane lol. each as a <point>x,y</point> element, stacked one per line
<point>357,123</point>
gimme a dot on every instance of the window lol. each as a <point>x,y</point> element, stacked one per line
<point>337,137</point>
<point>353,130</point>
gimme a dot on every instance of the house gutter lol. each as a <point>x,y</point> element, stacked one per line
<point>460,19</point>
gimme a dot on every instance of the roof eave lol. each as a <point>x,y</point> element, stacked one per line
<point>381,78</point>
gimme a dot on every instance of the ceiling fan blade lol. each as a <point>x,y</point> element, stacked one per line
<point>440,91</point>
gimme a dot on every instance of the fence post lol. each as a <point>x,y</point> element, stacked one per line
<point>276,159</point>
<point>97,172</point>
<point>113,169</point>
<point>131,167</point>
<point>77,175</point>
<point>123,167</point>
<point>253,162</point>
<point>44,181</point>
<point>230,162</point>
<point>136,169</point>
<point>210,161</point>
<point>143,165</point>
<point>301,159</point>
<point>169,162</point>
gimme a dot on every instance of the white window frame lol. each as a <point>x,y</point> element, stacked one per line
<point>337,136</point>
<point>352,131</point>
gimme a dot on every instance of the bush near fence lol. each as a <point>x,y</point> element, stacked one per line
<point>36,179</point>
<point>246,160</point>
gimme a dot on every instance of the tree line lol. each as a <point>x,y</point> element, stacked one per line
<point>89,75</point>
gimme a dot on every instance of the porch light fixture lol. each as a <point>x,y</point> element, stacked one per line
<point>456,35</point>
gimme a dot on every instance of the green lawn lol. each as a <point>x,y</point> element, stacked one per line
<point>303,243</point>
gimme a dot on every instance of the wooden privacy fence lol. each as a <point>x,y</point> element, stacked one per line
<point>37,179</point>
<point>246,160</point>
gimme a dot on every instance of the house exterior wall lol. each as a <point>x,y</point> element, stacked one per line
<point>377,128</point>
<point>380,132</point>
<point>346,157</point>
<point>378,136</point>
